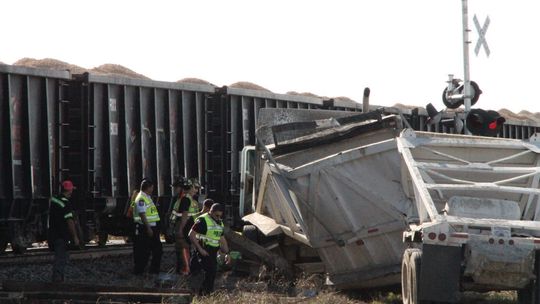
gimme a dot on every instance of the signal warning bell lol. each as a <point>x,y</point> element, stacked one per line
<point>484,123</point>
<point>454,98</point>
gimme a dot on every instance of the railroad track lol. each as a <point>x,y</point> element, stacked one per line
<point>38,256</point>
<point>44,292</point>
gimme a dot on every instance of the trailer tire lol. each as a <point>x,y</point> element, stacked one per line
<point>415,263</point>
<point>251,233</point>
<point>405,277</point>
<point>531,294</point>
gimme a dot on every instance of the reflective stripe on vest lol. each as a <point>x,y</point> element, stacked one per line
<point>58,202</point>
<point>214,231</point>
<point>193,210</point>
<point>152,214</point>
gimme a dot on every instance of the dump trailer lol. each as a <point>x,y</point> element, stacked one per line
<point>382,204</point>
<point>476,224</point>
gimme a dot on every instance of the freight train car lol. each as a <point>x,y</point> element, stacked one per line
<point>106,133</point>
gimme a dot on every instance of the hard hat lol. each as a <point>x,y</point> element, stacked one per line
<point>68,185</point>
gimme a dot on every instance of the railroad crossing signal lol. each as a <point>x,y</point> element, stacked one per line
<point>481,35</point>
<point>484,123</point>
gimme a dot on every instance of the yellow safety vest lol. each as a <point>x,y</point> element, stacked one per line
<point>192,211</point>
<point>152,214</point>
<point>214,231</point>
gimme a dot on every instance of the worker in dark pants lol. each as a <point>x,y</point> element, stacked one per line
<point>61,230</point>
<point>147,234</point>
<point>186,210</point>
<point>207,237</point>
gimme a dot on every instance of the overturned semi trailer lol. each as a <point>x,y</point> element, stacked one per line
<point>334,185</point>
<point>370,197</point>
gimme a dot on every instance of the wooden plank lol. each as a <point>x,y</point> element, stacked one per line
<point>266,256</point>
<point>266,225</point>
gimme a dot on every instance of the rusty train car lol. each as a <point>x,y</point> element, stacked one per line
<point>106,133</point>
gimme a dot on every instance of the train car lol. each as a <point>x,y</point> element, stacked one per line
<point>107,132</point>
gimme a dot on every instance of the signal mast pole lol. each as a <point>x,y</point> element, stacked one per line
<point>466,73</point>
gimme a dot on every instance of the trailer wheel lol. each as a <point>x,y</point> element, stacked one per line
<point>405,277</point>
<point>251,233</point>
<point>415,261</point>
<point>531,294</point>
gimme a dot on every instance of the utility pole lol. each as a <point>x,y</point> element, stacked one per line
<point>466,73</point>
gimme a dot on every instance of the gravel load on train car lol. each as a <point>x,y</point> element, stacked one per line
<point>307,94</point>
<point>55,64</point>
<point>116,69</point>
<point>195,81</point>
<point>249,86</point>
<point>50,63</point>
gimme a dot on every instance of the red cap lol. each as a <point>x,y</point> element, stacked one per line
<point>68,185</point>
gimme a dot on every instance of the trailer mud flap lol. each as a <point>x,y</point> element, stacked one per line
<point>440,274</point>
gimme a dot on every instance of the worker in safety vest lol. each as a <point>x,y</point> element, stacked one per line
<point>61,230</point>
<point>185,209</point>
<point>147,234</point>
<point>207,237</point>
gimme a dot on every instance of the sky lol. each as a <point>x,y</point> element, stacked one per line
<point>402,50</point>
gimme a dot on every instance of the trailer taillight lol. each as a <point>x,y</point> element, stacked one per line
<point>501,242</point>
<point>432,235</point>
<point>491,241</point>
<point>442,237</point>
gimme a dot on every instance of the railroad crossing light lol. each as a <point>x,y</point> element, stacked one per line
<point>453,96</point>
<point>484,123</point>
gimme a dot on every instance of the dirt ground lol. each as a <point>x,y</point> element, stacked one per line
<point>231,287</point>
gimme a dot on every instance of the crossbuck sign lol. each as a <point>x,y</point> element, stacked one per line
<point>481,35</point>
